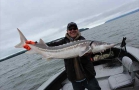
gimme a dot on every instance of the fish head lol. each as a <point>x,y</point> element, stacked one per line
<point>100,46</point>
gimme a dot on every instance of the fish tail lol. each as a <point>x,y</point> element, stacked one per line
<point>22,40</point>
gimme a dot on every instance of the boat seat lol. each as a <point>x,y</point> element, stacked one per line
<point>125,78</point>
<point>67,85</point>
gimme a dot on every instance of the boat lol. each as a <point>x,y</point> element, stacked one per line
<point>116,69</point>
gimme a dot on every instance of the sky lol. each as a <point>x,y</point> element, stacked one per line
<point>47,19</point>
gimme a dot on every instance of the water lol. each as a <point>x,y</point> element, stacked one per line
<point>28,72</point>
<point>114,31</point>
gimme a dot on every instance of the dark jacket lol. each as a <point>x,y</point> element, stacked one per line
<point>84,61</point>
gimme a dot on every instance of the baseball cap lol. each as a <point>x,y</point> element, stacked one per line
<point>72,24</point>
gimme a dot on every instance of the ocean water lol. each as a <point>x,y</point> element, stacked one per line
<point>28,72</point>
<point>114,31</point>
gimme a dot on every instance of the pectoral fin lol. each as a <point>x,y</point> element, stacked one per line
<point>85,51</point>
<point>48,59</point>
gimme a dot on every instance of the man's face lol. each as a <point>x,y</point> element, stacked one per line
<point>72,32</point>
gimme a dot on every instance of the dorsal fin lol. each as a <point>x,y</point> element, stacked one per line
<point>42,42</point>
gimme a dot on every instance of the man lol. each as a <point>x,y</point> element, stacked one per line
<point>80,70</point>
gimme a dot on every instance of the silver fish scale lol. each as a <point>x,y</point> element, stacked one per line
<point>67,46</point>
<point>100,43</point>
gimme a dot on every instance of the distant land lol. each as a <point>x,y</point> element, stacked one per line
<point>83,29</point>
<point>123,15</point>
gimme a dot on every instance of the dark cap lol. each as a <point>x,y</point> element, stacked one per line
<point>72,24</point>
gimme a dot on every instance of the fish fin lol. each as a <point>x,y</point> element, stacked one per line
<point>22,40</point>
<point>42,43</point>
<point>48,59</point>
<point>85,51</point>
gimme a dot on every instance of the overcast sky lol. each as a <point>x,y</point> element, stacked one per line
<point>47,19</point>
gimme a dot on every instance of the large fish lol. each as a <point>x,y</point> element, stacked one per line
<point>69,50</point>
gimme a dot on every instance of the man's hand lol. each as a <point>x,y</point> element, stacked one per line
<point>88,54</point>
<point>26,46</point>
<point>31,42</point>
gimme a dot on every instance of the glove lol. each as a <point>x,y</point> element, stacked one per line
<point>30,42</point>
<point>26,46</point>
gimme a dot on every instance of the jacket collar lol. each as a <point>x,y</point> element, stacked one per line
<point>73,39</point>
